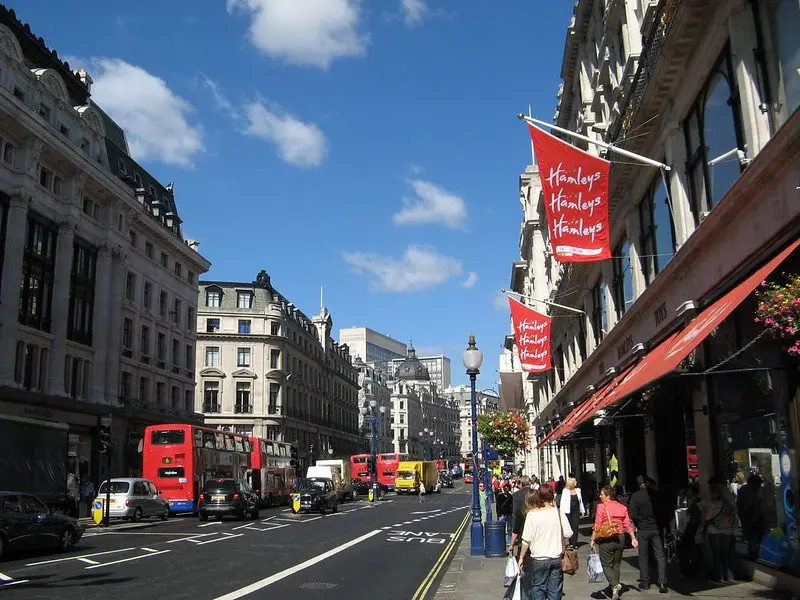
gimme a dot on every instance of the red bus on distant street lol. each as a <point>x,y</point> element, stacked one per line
<point>387,467</point>
<point>179,458</point>
<point>361,467</point>
<point>271,475</point>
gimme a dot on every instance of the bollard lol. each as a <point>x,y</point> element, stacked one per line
<point>495,539</point>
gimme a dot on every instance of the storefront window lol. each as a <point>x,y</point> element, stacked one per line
<point>752,436</point>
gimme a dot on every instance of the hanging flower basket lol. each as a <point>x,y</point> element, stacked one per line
<point>506,432</point>
<point>778,311</point>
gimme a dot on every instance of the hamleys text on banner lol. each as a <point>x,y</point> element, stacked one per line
<point>575,186</point>
<point>532,334</point>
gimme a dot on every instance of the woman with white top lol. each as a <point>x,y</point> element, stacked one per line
<point>572,506</point>
<point>542,545</point>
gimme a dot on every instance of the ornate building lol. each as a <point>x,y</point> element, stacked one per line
<point>373,388</point>
<point>264,368</point>
<point>99,288</point>
<point>425,423</point>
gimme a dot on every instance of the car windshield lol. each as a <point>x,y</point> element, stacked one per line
<point>117,487</point>
<point>216,485</point>
<point>308,485</point>
<point>406,474</point>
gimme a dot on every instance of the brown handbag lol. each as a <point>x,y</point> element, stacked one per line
<point>569,556</point>
<point>606,531</point>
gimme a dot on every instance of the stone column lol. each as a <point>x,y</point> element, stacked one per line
<point>60,308</point>
<point>650,456</point>
<point>111,321</point>
<point>680,205</point>
<point>101,317</point>
<point>16,228</point>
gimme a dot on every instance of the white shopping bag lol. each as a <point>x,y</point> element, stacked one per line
<point>594,568</point>
<point>514,591</point>
<point>512,570</point>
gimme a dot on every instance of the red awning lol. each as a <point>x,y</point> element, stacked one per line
<point>668,354</point>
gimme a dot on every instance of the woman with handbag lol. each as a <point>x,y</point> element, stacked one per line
<point>610,524</point>
<point>540,559</point>
<point>572,506</point>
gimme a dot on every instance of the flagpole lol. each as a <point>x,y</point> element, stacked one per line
<point>575,310</point>
<point>621,151</point>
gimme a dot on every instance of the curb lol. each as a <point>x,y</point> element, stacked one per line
<point>91,526</point>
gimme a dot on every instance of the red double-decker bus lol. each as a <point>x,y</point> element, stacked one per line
<point>387,467</point>
<point>361,467</point>
<point>179,458</point>
<point>271,475</point>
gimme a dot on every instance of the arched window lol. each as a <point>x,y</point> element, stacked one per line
<point>715,144</point>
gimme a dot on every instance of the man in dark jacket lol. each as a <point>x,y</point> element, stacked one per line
<point>518,510</point>
<point>647,510</point>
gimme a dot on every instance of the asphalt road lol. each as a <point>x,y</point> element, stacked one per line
<point>391,549</point>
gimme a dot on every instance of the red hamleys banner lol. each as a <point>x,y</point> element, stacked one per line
<point>532,334</point>
<point>575,186</point>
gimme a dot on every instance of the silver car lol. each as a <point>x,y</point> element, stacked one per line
<point>132,498</point>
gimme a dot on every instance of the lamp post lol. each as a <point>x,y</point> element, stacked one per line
<point>372,419</point>
<point>425,437</point>
<point>472,358</point>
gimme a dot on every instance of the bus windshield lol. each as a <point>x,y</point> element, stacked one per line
<point>168,436</point>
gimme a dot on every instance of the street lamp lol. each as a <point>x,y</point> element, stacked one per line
<point>372,419</point>
<point>425,438</point>
<point>472,358</point>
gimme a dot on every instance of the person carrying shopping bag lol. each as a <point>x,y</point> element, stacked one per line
<point>543,537</point>
<point>608,534</point>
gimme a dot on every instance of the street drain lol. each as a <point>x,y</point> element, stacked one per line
<point>318,586</point>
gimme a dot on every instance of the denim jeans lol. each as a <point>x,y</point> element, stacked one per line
<point>507,520</point>
<point>721,546</point>
<point>542,579</point>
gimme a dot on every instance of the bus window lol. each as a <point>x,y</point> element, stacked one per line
<point>168,436</point>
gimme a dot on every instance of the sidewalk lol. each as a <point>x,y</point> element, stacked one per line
<point>479,578</point>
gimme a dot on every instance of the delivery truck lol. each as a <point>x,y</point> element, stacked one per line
<point>340,474</point>
<point>411,473</point>
<point>33,458</point>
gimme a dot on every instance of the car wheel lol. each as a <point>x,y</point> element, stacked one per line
<point>165,515</point>
<point>67,539</point>
<point>137,515</point>
<point>255,513</point>
<point>322,510</point>
<point>335,507</point>
<point>202,517</point>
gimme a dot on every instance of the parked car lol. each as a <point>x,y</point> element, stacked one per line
<point>133,498</point>
<point>26,523</point>
<point>315,494</point>
<point>445,479</point>
<point>221,497</point>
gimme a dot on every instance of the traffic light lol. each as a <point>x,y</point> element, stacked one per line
<point>294,461</point>
<point>105,439</point>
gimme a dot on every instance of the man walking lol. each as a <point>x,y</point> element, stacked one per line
<point>517,512</point>
<point>647,509</point>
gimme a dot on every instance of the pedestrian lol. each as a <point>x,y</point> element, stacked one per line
<point>572,506</point>
<point>505,508</point>
<point>87,494</point>
<point>719,515</point>
<point>542,545</point>
<point>421,491</point>
<point>647,509</point>
<point>608,534</point>
<point>483,498</point>
<point>518,510</point>
<point>751,515</point>
<point>73,496</point>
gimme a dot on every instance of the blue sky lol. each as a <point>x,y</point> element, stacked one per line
<point>369,147</point>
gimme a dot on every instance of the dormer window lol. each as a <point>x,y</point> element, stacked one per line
<point>244,299</point>
<point>213,297</point>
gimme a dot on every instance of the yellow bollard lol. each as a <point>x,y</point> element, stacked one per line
<point>295,503</point>
<point>97,511</point>
<point>371,495</point>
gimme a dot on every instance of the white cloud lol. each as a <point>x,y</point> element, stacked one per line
<point>299,143</point>
<point>154,117</point>
<point>219,97</point>
<point>420,268</point>
<point>413,11</point>
<point>432,204</point>
<point>472,279</point>
<point>501,301</point>
<point>307,32</point>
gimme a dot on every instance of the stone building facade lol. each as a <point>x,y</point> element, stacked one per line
<point>266,369</point>
<point>84,230</point>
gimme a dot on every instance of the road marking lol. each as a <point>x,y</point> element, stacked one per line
<point>426,512</point>
<point>89,561</point>
<point>124,560</point>
<point>13,582</point>
<point>148,533</point>
<point>149,549</point>
<point>426,584</point>
<point>270,528</point>
<point>191,538</point>
<point>267,519</point>
<point>267,581</point>
<point>209,524</point>
<point>58,560</point>
<point>228,536</point>
<point>4,577</point>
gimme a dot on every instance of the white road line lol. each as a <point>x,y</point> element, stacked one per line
<point>270,528</point>
<point>89,561</point>
<point>288,520</point>
<point>58,560</point>
<point>229,537</point>
<point>209,524</point>
<point>191,538</point>
<point>311,519</point>
<point>124,560</point>
<point>4,577</point>
<point>385,528</point>
<point>149,549</point>
<point>267,581</point>
<point>267,519</point>
<point>13,582</point>
<point>147,533</point>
